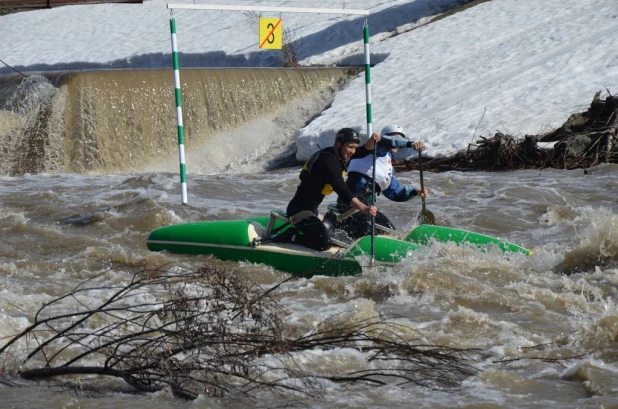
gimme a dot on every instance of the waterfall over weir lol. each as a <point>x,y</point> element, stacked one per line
<point>124,121</point>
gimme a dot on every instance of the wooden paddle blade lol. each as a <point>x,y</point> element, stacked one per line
<point>426,217</point>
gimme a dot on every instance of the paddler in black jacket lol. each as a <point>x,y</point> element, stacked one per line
<point>322,174</point>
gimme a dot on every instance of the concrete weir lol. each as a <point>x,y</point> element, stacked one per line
<point>123,120</point>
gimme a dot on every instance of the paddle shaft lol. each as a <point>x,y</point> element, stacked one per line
<point>347,214</point>
<point>373,201</point>
<point>420,171</point>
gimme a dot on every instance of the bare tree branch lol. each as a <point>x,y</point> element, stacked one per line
<point>213,332</point>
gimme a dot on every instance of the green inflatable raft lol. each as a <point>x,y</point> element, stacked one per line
<point>248,240</point>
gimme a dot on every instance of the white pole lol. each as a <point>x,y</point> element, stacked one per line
<point>370,131</point>
<point>181,132</point>
<point>216,7</point>
<point>265,8</point>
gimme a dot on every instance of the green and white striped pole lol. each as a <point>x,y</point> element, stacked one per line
<point>181,130</point>
<point>370,131</point>
<point>260,9</point>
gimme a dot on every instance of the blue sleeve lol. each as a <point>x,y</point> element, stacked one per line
<point>394,142</point>
<point>398,193</point>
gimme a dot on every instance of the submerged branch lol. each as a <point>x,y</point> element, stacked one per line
<point>213,332</point>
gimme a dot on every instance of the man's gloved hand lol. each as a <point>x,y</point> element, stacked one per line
<point>386,143</point>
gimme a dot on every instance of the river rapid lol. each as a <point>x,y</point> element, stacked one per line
<point>59,229</point>
<point>548,322</point>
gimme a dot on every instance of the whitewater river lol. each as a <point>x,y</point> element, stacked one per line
<point>57,230</point>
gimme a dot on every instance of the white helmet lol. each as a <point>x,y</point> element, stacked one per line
<point>388,130</point>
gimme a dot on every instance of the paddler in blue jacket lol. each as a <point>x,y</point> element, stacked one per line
<point>360,173</point>
<point>322,175</point>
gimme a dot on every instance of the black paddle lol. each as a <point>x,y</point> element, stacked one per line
<point>425,217</point>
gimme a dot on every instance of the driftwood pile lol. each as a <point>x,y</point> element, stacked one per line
<point>586,139</point>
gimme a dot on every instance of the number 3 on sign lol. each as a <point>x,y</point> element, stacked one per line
<point>271,30</point>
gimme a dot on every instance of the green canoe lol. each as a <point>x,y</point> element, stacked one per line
<point>247,240</point>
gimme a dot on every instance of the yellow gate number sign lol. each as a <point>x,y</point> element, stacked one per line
<point>271,32</point>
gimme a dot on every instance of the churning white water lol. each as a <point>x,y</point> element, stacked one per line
<point>60,229</point>
<point>547,323</point>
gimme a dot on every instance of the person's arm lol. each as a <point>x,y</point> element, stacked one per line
<point>417,146</point>
<point>335,178</point>
<point>398,142</point>
<point>371,142</point>
<point>369,210</point>
<point>398,193</point>
<point>367,148</point>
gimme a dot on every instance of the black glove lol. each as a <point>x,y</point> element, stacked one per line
<point>386,143</point>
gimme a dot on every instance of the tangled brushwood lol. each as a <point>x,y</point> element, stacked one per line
<point>586,139</point>
<point>212,332</point>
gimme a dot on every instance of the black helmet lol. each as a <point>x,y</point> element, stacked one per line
<point>346,135</point>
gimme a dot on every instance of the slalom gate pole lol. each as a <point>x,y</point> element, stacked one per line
<point>369,132</point>
<point>181,131</point>
<point>218,7</point>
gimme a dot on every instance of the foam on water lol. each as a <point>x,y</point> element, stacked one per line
<point>519,309</point>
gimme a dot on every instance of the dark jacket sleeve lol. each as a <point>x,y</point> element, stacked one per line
<point>361,152</point>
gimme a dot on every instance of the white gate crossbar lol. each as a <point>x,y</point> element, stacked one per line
<point>266,8</point>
